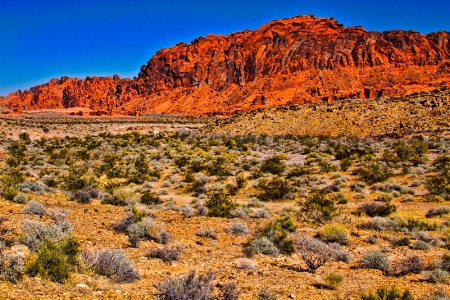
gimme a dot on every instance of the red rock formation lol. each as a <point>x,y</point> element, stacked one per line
<point>297,60</point>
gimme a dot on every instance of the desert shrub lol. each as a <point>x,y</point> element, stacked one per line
<point>156,233</point>
<point>266,294</point>
<point>166,254</point>
<point>313,252</point>
<point>150,198</point>
<point>438,294</point>
<point>260,213</point>
<point>238,228</point>
<point>35,208</point>
<point>207,233</point>
<point>255,202</point>
<point>275,188</point>
<point>319,207</point>
<point>218,166</point>
<point>418,224</point>
<point>421,245</point>
<point>29,186</point>
<point>85,196</point>
<point>230,291</point>
<point>402,241</point>
<point>54,261</point>
<point>122,225</point>
<point>335,233</point>
<point>384,293</point>
<point>202,211</point>
<point>20,198</point>
<point>407,265</point>
<point>327,166</point>
<point>78,179</point>
<point>437,276</point>
<point>245,263</point>
<point>374,172</point>
<point>273,165</point>
<point>11,267</point>
<point>385,197</point>
<point>375,260</point>
<point>443,263</point>
<point>17,154</point>
<point>277,232</point>
<point>35,234</point>
<point>239,212</point>
<point>113,200</point>
<point>111,263</point>
<point>185,287</point>
<point>345,164</point>
<point>377,209</point>
<point>372,239</point>
<point>299,170</point>
<point>358,186</point>
<point>220,204</point>
<point>440,211</point>
<point>334,280</point>
<point>413,150</point>
<point>186,211</point>
<point>439,184</point>
<point>339,253</point>
<point>260,245</point>
<point>136,232</point>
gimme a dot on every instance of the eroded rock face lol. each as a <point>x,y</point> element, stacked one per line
<point>297,60</point>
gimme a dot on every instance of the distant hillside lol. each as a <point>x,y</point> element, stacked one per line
<point>414,114</point>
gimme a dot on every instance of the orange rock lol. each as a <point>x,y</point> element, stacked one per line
<point>297,60</point>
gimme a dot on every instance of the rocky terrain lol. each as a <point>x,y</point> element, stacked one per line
<point>292,61</point>
<point>399,116</point>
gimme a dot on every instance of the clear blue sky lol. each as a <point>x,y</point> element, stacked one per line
<point>43,39</point>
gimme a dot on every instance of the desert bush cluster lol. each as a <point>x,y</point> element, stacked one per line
<point>378,204</point>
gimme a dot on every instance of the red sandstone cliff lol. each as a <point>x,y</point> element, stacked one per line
<point>296,60</point>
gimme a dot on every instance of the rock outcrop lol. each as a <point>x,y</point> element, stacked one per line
<point>292,61</point>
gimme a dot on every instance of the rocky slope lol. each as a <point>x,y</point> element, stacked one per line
<point>414,114</point>
<point>296,60</point>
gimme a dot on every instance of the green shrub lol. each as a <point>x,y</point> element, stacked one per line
<point>374,172</point>
<point>78,179</point>
<point>402,241</point>
<point>327,166</point>
<point>266,294</point>
<point>335,233</point>
<point>150,198</point>
<point>440,183</point>
<point>54,261</point>
<point>345,164</point>
<point>392,293</point>
<point>334,280</point>
<point>273,165</point>
<point>319,207</point>
<point>277,232</point>
<point>377,209</point>
<point>220,204</point>
<point>275,188</point>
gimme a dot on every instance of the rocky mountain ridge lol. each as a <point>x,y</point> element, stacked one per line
<point>292,61</point>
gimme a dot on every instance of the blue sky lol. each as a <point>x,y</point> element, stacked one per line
<point>43,39</point>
